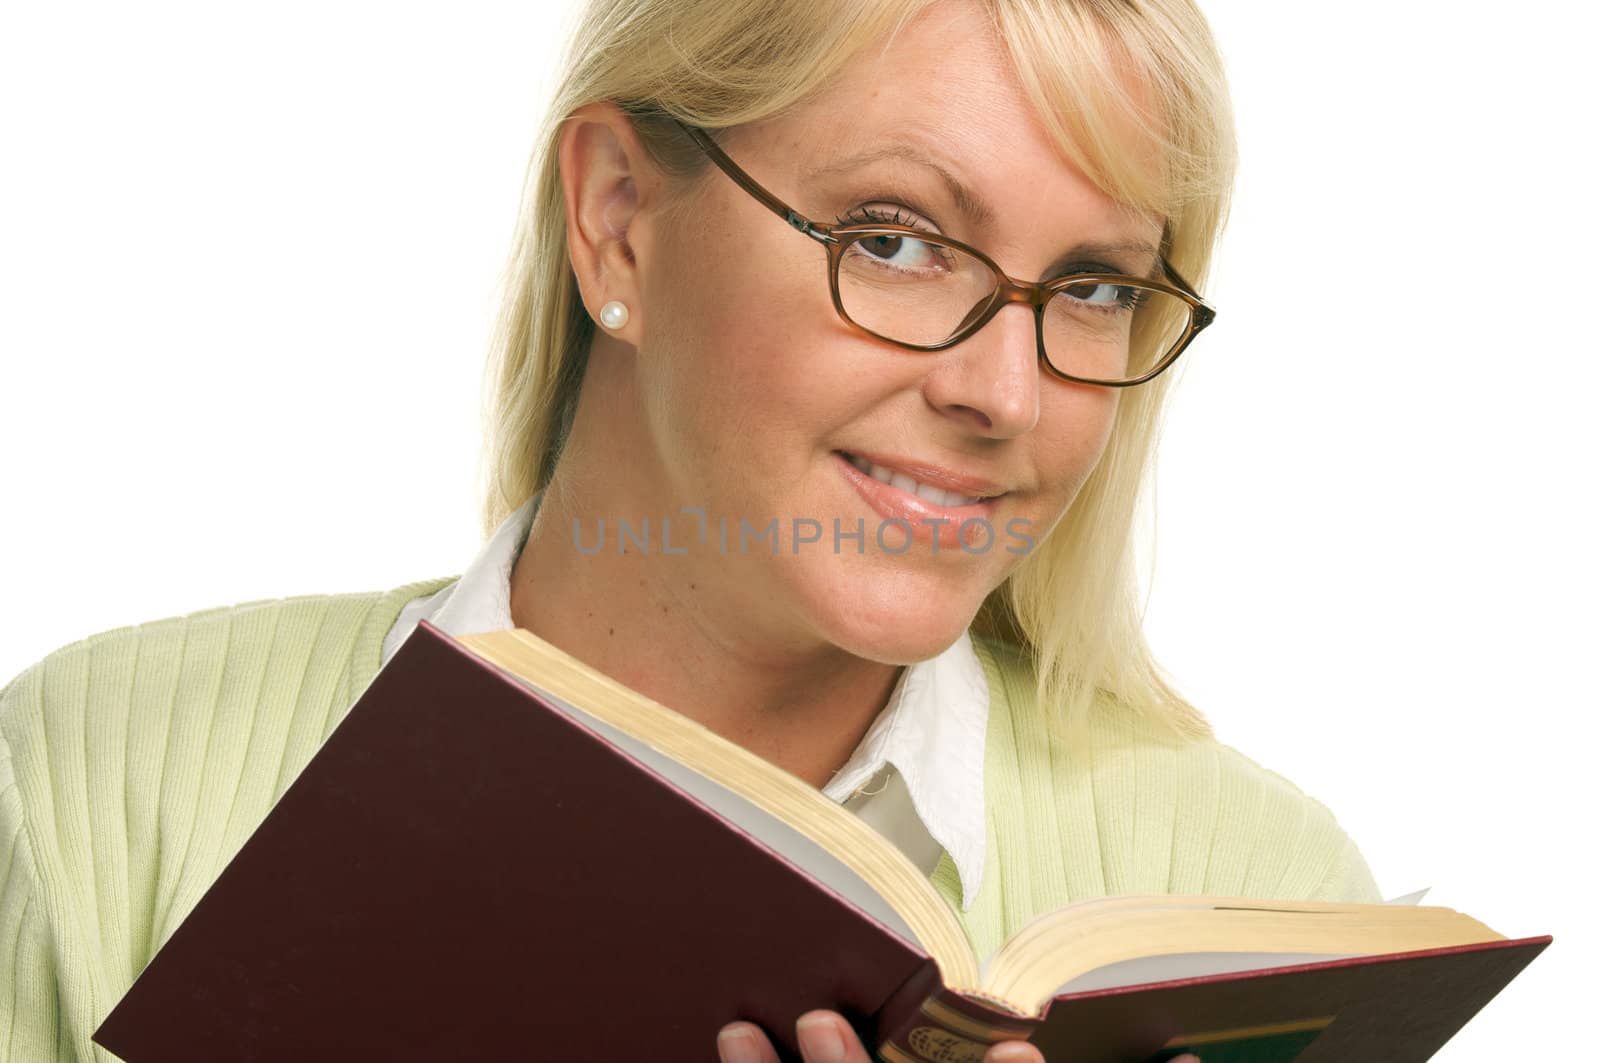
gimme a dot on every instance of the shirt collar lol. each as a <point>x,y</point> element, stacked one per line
<point>480,600</point>
<point>932,731</point>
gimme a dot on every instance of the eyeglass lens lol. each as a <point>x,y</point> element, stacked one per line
<point>923,292</point>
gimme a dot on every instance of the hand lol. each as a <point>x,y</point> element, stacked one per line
<point>825,1037</point>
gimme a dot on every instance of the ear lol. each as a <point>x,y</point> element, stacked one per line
<point>608,183</point>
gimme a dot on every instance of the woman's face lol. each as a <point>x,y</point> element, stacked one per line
<point>755,395</point>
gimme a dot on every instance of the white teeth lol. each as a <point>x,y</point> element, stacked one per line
<point>936,495</point>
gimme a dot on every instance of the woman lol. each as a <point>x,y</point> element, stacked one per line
<point>763,290</point>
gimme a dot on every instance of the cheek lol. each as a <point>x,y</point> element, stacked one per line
<point>1085,417</point>
<point>730,366</point>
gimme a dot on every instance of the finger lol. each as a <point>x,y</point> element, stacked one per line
<point>1187,1057</point>
<point>1014,1052</point>
<point>744,1042</point>
<point>826,1038</point>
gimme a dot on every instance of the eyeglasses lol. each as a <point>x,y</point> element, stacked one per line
<point>926,292</point>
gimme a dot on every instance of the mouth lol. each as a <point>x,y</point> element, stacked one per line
<point>939,488</point>
<point>934,512</point>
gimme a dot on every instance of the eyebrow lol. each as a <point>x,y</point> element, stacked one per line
<point>977,210</point>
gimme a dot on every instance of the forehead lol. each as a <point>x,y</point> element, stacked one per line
<point>944,86</point>
<point>944,74</point>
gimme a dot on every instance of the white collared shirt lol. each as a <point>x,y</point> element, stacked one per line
<point>917,775</point>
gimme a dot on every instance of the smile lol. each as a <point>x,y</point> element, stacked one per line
<point>927,492</point>
<point>934,514</point>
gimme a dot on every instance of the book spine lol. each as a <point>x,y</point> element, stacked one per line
<point>944,1026</point>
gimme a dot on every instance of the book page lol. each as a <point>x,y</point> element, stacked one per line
<point>1183,965</point>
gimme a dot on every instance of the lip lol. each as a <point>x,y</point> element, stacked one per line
<point>932,475</point>
<point>917,512</point>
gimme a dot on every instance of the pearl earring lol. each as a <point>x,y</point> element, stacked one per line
<point>614,314</point>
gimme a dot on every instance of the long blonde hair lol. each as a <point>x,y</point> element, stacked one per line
<point>1072,603</point>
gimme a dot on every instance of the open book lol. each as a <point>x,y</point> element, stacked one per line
<point>502,852</point>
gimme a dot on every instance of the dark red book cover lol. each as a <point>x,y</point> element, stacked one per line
<point>462,871</point>
<point>1398,1008</point>
<point>459,873</point>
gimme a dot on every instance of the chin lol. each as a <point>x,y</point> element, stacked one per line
<point>893,621</point>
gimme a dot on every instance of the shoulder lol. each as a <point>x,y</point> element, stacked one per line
<point>135,761</point>
<point>169,655</point>
<point>1181,815</point>
<point>136,706</point>
<point>1280,841</point>
<point>1224,823</point>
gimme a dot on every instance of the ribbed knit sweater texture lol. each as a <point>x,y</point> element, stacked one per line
<point>136,762</point>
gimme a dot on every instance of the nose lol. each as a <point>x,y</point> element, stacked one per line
<point>990,380</point>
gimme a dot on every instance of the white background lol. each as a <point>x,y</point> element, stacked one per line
<point>248,261</point>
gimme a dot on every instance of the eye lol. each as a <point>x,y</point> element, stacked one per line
<point>896,252</point>
<point>1107,297</point>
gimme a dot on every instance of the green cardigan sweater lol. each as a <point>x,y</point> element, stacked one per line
<point>135,763</point>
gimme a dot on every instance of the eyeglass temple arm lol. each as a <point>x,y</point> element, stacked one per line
<point>793,217</point>
<point>1204,312</point>
<point>1178,277</point>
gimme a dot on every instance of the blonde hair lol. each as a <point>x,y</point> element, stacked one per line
<point>1072,603</point>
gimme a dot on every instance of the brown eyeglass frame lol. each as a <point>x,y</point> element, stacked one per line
<point>1007,290</point>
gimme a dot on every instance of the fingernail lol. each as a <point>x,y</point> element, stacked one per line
<point>1009,1053</point>
<point>735,1045</point>
<point>820,1039</point>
